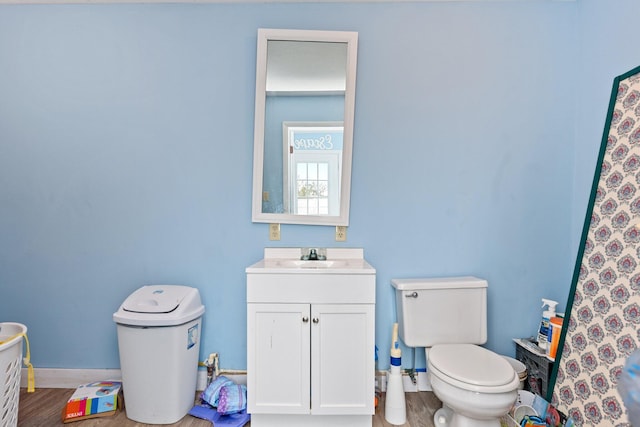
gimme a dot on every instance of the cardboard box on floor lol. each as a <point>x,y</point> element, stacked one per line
<point>98,399</point>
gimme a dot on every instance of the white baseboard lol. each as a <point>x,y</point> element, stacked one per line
<point>238,377</point>
<point>422,382</point>
<point>68,378</point>
<point>72,378</point>
<point>408,385</point>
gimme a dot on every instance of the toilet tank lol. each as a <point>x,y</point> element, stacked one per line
<point>445,310</point>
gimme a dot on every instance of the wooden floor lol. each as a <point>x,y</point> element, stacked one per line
<point>42,408</point>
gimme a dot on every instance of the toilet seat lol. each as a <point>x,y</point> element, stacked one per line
<point>471,367</point>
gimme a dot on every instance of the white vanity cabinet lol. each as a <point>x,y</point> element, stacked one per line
<point>310,344</point>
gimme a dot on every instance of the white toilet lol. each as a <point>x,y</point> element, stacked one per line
<point>448,316</point>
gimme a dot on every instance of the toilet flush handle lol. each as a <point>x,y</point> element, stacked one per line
<point>413,294</point>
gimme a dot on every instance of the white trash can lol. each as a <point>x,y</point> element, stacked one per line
<point>159,342</point>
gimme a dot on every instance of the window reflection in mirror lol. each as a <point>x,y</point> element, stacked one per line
<point>312,162</point>
<point>305,91</point>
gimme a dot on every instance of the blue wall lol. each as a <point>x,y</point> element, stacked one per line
<point>605,41</point>
<point>126,157</point>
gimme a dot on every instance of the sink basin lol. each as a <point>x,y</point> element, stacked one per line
<point>287,261</point>
<point>314,264</point>
<point>297,263</point>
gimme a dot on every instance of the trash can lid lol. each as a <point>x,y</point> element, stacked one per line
<point>160,305</point>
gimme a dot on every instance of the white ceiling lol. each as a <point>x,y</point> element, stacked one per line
<point>254,1</point>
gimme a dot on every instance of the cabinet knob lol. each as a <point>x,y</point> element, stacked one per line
<point>315,320</point>
<point>305,319</point>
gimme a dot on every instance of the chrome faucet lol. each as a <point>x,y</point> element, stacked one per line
<point>313,255</point>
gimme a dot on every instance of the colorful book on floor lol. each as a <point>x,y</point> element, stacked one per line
<point>98,399</point>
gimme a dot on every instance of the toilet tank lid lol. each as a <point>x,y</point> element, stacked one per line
<point>415,284</point>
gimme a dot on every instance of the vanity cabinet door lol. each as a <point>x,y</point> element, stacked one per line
<point>278,355</point>
<point>343,352</point>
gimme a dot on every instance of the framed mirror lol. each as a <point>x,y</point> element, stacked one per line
<point>303,135</point>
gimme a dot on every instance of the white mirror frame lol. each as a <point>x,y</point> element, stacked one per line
<point>264,35</point>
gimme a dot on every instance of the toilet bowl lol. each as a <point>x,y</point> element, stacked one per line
<point>475,384</point>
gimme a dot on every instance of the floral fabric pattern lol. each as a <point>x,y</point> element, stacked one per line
<point>604,322</point>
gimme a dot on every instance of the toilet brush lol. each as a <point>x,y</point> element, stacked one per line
<point>395,409</point>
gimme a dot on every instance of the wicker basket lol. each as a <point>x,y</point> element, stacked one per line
<point>10,370</point>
